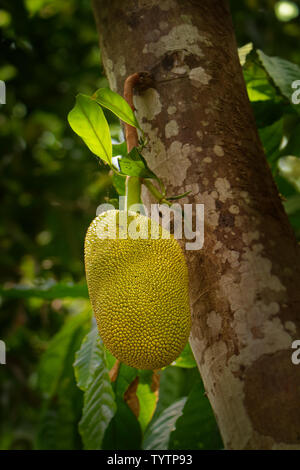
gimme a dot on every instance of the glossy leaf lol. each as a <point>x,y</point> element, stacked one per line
<point>158,434</point>
<point>119,149</point>
<point>134,164</point>
<point>147,397</point>
<point>88,121</point>
<point>259,84</point>
<point>282,72</point>
<point>111,100</point>
<point>87,359</point>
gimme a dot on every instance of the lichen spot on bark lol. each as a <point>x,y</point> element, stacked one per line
<point>172,109</point>
<point>148,104</point>
<point>222,185</point>
<point>171,129</point>
<point>199,77</point>
<point>218,151</point>
<point>184,37</point>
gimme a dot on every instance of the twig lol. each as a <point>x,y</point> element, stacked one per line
<point>131,134</point>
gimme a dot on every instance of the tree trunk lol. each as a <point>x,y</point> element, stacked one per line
<point>244,283</point>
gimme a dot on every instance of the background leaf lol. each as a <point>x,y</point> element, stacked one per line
<point>124,430</point>
<point>99,403</point>
<point>48,291</point>
<point>282,72</point>
<point>198,416</point>
<point>158,434</point>
<point>62,399</point>
<point>186,358</point>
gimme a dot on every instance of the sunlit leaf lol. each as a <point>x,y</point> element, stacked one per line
<point>88,121</point>
<point>147,397</point>
<point>117,105</point>
<point>259,84</point>
<point>244,51</point>
<point>186,358</point>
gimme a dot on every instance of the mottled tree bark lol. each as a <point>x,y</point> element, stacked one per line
<point>244,283</point>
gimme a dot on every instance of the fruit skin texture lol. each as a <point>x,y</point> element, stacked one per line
<point>138,290</point>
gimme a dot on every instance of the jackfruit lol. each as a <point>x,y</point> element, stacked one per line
<point>138,286</point>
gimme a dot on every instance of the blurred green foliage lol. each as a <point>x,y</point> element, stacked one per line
<point>51,187</point>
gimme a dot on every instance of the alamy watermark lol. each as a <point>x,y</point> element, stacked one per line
<point>296,94</point>
<point>2,92</point>
<point>175,219</point>
<point>296,354</point>
<point>2,352</point>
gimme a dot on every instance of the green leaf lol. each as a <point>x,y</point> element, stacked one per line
<point>62,399</point>
<point>57,429</point>
<point>54,360</point>
<point>119,149</point>
<point>157,435</point>
<point>196,428</point>
<point>87,359</point>
<point>134,164</point>
<point>282,72</point>
<point>111,100</point>
<point>289,167</point>
<point>124,431</point>
<point>99,403</point>
<point>292,134</point>
<point>186,358</point>
<point>119,183</point>
<point>271,137</point>
<point>147,397</point>
<point>48,291</point>
<point>244,51</point>
<point>268,111</point>
<point>175,383</point>
<point>88,121</point>
<point>292,204</point>
<point>126,375</point>
<point>259,85</point>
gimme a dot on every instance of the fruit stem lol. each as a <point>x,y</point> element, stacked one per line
<point>132,191</point>
<point>133,183</point>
